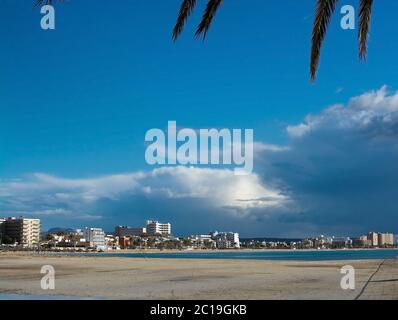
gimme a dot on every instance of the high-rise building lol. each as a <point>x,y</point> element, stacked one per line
<point>124,231</point>
<point>25,232</point>
<point>155,228</point>
<point>373,237</point>
<point>385,239</point>
<point>95,237</point>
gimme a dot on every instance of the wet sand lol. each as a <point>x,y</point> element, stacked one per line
<point>141,278</point>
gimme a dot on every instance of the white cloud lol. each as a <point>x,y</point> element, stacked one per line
<point>338,172</point>
<point>50,195</point>
<point>298,130</point>
<point>260,146</point>
<point>360,113</point>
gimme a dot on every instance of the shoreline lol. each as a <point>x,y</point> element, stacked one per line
<point>157,251</point>
<point>307,255</point>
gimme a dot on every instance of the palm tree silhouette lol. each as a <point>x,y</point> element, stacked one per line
<point>323,14</point>
<point>187,6</point>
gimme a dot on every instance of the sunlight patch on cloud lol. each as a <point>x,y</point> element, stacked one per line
<point>49,195</point>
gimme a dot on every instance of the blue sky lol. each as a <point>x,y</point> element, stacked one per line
<point>76,102</point>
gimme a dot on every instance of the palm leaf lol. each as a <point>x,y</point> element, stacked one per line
<point>207,18</point>
<point>323,15</point>
<point>365,13</point>
<point>186,9</point>
<point>42,2</point>
<point>39,3</point>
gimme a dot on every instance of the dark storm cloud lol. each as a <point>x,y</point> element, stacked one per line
<point>341,167</point>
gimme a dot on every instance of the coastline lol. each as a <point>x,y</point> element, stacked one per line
<point>156,251</point>
<point>149,251</point>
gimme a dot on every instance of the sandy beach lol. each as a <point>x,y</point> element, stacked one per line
<point>151,278</point>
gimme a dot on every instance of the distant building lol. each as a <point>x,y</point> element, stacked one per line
<point>362,242</point>
<point>154,228</point>
<point>373,237</point>
<point>125,242</point>
<point>363,238</point>
<point>226,240</point>
<point>22,231</point>
<point>203,241</point>
<point>124,231</point>
<point>385,239</point>
<point>341,242</point>
<point>322,242</point>
<point>201,237</point>
<point>2,226</point>
<point>112,242</point>
<point>307,243</point>
<point>95,237</point>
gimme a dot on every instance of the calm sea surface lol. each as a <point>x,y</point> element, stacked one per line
<point>302,255</point>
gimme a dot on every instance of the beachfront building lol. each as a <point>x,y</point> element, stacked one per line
<point>341,242</point>
<point>112,242</point>
<point>226,240</point>
<point>322,242</point>
<point>362,242</point>
<point>305,244</point>
<point>202,241</point>
<point>125,242</point>
<point>124,231</point>
<point>373,237</point>
<point>22,231</point>
<point>154,228</point>
<point>2,225</point>
<point>385,239</point>
<point>95,237</point>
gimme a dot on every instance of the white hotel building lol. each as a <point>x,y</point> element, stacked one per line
<point>226,240</point>
<point>95,237</point>
<point>154,228</point>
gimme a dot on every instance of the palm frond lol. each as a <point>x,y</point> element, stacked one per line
<point>39,3</point>
<point>323,15</point>
<point>207,18</point>
<point>42,2</point>
<point>187,6</point>
<point>365,13</point>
